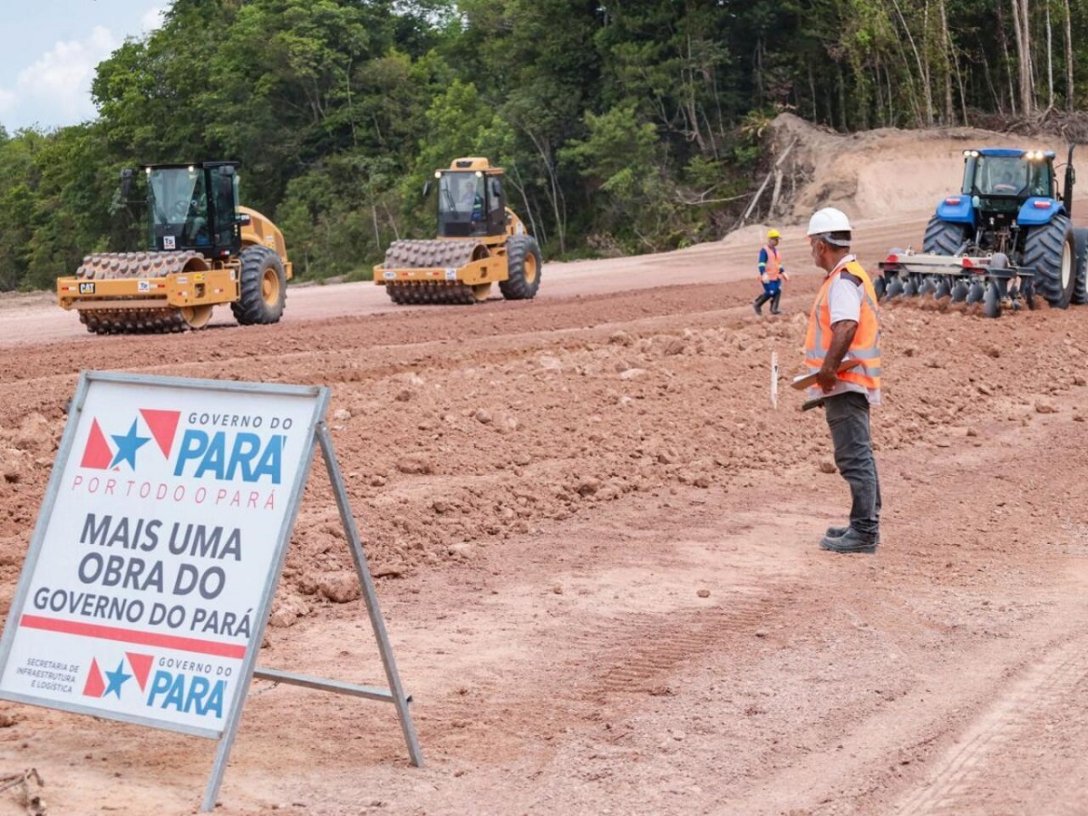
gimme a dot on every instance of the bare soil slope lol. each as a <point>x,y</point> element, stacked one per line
<point>597,544</point>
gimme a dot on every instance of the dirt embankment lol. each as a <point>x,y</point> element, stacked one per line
<point>878,173</point>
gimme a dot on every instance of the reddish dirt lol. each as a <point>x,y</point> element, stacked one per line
<point>597,544</point>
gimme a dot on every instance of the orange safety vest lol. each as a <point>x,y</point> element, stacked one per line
<point>774,263</point>
<point>866,343</point>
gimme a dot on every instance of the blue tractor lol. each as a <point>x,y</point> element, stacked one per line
<point>1003,239</point>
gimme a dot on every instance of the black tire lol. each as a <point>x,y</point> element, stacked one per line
<point>1049,252</point>
<point>524,265</point>
<point>943,237</point>
<point>263,287</point>
<point>1080,246</point>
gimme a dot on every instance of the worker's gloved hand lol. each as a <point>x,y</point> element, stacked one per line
<point>764,279</point>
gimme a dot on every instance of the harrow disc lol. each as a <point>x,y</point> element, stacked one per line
<point>991,301</point>
<point>975,292</point>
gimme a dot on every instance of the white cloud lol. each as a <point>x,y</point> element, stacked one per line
<point>59,81</point>
<point>7,100</point>
<point>152,19</point>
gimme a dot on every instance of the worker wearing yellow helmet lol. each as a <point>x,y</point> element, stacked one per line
<point>771,273</point>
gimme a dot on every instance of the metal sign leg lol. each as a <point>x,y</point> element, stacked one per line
<point>370,595</point>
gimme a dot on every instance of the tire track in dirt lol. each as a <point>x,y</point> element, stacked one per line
<point>638,655</point>
<point>966,772</point>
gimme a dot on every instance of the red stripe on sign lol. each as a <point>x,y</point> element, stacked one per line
<point>181,644</point>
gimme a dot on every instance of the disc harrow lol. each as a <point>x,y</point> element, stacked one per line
<point>431,254</point>
<point>990,280</point>
<point>139,319</point>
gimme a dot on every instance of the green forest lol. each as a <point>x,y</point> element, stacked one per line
<point>624,127</point>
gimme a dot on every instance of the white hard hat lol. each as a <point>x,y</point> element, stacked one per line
<point>828,220</point>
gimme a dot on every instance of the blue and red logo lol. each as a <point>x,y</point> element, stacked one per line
<point>162,426</point>
<point>223,455</point>
<point>102,684</point>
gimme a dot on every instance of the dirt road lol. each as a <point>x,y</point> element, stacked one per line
<point>34,318</point>
<point>599,555</point>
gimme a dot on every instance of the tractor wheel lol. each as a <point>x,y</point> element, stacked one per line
<point>524,263</point>
<point>1049,252</point>
<point>942,237</point>
<point>1080,245</point>
<point>263,287</point>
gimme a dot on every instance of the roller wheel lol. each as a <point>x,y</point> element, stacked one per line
<point>943,237</point>
<point>895,288</point>
<point>197,317</point>
<point>1080,245</point>
<point>1049,251</point>
<point>523,259</point>
<point>263,287</point>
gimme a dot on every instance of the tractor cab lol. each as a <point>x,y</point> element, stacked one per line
<point>1006,188</point>
<point>1008,173</point>
<point>470,200</point>
<point>192,207</point>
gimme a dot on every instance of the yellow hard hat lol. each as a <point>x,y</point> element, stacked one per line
<point>773,234</point>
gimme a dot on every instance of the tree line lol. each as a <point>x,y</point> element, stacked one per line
<point>623,126</point>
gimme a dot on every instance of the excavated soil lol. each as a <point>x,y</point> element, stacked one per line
<point>596,549</point>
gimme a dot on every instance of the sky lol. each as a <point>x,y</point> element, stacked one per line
<point>50,50</point>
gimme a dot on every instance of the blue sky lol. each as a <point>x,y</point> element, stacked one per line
<point>50,50</point>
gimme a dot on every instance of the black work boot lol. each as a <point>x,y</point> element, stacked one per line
<point>757,304</point>
<point>774,303</point>
<point>850,542</point>
<point>839,532</point>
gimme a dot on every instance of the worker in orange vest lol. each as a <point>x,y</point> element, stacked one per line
<point>771,273</point>
<point>844,326</point>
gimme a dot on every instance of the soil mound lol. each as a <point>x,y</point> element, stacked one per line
<point>877,173</point>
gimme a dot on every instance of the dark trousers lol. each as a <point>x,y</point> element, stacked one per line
<point>772,291</point>
<point>848,419</point>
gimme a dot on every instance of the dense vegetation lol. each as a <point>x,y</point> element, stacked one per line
<point>623,126</point>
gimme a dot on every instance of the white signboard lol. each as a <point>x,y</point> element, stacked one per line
<point>150,571</point>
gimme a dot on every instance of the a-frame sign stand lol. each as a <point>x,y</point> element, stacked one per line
<point>194,500</point>
<point>394,694</point>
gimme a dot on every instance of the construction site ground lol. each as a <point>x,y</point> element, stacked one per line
<point>596,550</point>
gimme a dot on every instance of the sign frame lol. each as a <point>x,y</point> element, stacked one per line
<point>316,435</point>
